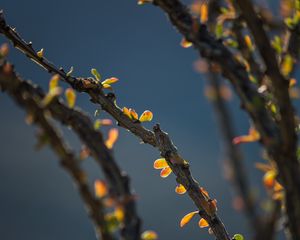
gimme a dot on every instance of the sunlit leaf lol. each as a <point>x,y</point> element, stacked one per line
<point>119,213</point>
<point>110,81</point>
<point>70,72</point>
<point>126,112</point>
<point>180,189</point>
<point>187,218</point>
<point>269,178</point>
<point>238,237</point>
<point>149,235</point>
<point>96,74</point>
<point>71,97</point>
<point>165,172</point>
<point>249,43</point>
<point>160,163</point>
<point>203,223</point>
<point>53,82</point>
<point>102,122</point>
<point>287,65</point>
<point>292,82</point>
<point>185,43</point>
<point>204,13</point>
<point>40,53</point>
<point>112,138</point>
<point>55,92</point>
<point>142,2</point>
<point>253,136</point>
<point>101,189</point>
<point>146,116</point>
<point>133,114</point>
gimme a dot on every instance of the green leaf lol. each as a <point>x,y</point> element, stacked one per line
<point>96,74</point>
<point>238,237</point>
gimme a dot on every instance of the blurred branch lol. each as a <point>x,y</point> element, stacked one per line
<point>159,140</point>
<point>119,182</point>
<point>69,162</point>
<point>238,174</point>
<point>285,153</point>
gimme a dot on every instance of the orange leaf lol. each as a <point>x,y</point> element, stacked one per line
<point>180,189</point>
<point>185,43</point>
<point>269,178</point>
<point>204,13</point>
<point>119,213</point>
<point>165,172</point>
<point>187,218</point>
<point>204,192</point>
<point>112,138</point>
<point>110,81</point>
<point>252,136</point>
<point>71,97</point>
<point>100,188</point>
<point>203,223</point>
<point>133,114</point>
<point>160,163</point>
<point>126,112</point>
<point>149,235</point>
<point>146,116</point>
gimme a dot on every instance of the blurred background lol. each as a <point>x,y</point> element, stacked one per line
<point>138,45</point>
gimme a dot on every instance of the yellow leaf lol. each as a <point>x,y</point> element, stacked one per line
<point>96,74</point>
<point>292,82</point>
<point>149,235</point>
<point>204,13</point>
<point>187,218</point>
<point>249,42</point>
<point>287,65</point>
<point>203,223</point>
<point>146,116</point>
<point>100,188</point>
<point>119,213</point>
<point>269,178</point>
<point>112,138</point>
<point>55,92</point>
<point>180,189</point>
<point>40,53</point>
<point>102,122</point>
<point>142,2</point>
<point>71,97</point>
<point>126,112</point>
<point>185,43</point>
<point>252,136</point>
<point>165,172</point>
<point>110,81</point>
<point>53,82</point>
<point>133,114</point>
<point>160,163</point>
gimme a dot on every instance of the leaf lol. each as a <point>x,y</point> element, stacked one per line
<point>100,188</point>
<point>185,43</point>
<point>204,192</point>
<point>204,13</point>
<point>187,218</point>
<point>160,163</point>
<point>55,92</point>
<point>110,81</point>
<point>269,178</point>
<point>119,213</point>
<point>133,114</point>
<point>165,172</point>
<point>149,235</point>
<point>252,136</point>
<point>146,116</point>
<point>292,82</point>
<point>249,43</point>
<point>102,122</point>
<point>53,82</point>
<point>126,112</point>
<point>71,97</point>
<point>4,50</point>
<point>263,167</point>
<point>238,237</point>
<point>70,72</point>
<point>203,223</point>
<point>96,74</point>
<point>107,86</point>
<point>112,138</point>
<point>180,189</point>
<point>287,65</point>
<point>40,53</point>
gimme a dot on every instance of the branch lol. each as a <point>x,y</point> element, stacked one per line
<point>285,155</point>
<point>119,182</point>
<point>68,161</point>
<point>107,102</point>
